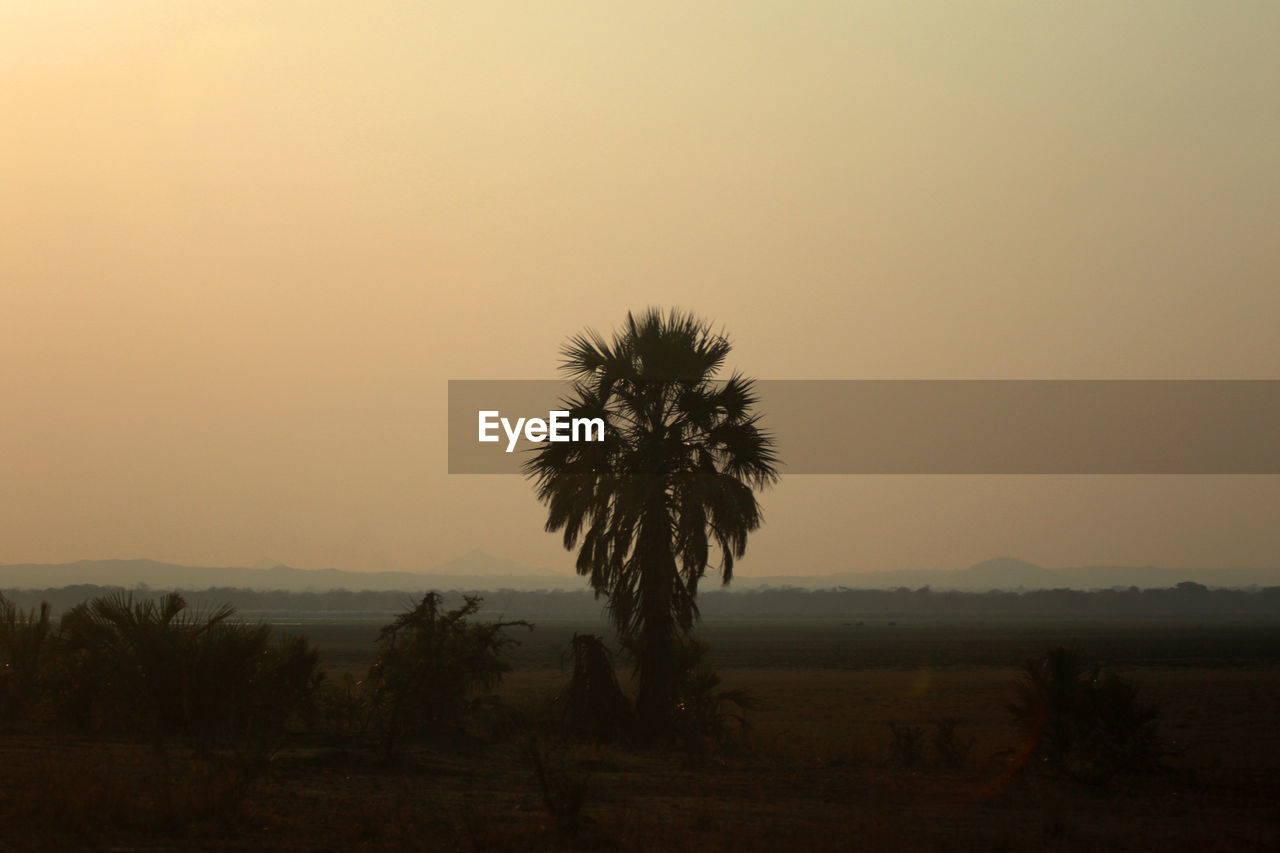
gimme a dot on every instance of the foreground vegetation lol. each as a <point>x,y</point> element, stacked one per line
<point>903,755</point>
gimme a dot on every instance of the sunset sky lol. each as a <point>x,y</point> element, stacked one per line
<point>245,245</point>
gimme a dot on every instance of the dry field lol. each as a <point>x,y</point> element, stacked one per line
<point>818,774</point>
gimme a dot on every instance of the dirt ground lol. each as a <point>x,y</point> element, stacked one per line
<point>818,774</point>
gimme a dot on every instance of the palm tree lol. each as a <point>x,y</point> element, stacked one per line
<point>672,483</point>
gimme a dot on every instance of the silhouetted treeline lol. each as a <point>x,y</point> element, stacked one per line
<point>1185,599</point>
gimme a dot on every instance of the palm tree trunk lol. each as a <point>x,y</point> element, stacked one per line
<point>656,695</point>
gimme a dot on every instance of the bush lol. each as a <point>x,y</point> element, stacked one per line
<point>24,659</point>
<point>344,707</point>
<point>907,744</point>
<point>563,790</point>
<point>704,714</point>
<point>152,666</point>
<point>1082,723</point>
<point>949,749</point>
<point>434,667</point>
<point>593,705</point>
<point>911,746</point>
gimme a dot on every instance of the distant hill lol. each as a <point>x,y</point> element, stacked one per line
<point>478,570</point>
<point>1008,573</point>
<point>475,570</point>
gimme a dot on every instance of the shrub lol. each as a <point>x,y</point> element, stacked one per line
<point>24,654</point>
<point>434,666</point>
<point>1081,723</point>
<point>949,749</point>
<point>593,705</point>
<point>704,714</point>
<point>153,666</point>
<point>563,790</point>
<point>344,706</point>
<point>911,746</point>
<point>130,664</point>
<point>907,744</point>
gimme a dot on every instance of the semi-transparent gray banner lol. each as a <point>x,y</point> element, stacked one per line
<point>937,426</point>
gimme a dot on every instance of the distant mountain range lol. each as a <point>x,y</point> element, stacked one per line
<point>1013,574</point>
<point>475,570</point>
<point>480,571</point>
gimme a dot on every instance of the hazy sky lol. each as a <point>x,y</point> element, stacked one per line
<point>244,245</point>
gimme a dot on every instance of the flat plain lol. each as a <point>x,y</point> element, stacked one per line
<point>816,771</point>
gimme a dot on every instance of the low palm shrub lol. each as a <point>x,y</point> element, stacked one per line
<point>592,705</point>
<point>25,641</point>
<point>708,716</point>
<point>1081,722</point>
<point>116,663</point>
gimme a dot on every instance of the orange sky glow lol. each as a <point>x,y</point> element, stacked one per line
<point>244,246</point>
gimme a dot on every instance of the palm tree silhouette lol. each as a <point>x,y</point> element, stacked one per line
<point>672,482</point>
